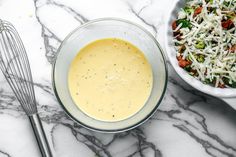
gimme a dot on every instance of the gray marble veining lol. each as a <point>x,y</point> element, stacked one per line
<point>187,124</point>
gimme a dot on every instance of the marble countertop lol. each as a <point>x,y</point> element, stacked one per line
<point>187,123</point>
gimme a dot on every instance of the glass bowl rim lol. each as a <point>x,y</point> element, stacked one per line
<point>149,115</point>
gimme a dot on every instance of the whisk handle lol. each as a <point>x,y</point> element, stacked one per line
<point>40,135</point>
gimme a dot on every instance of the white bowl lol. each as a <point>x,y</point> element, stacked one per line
<point>227,94</point>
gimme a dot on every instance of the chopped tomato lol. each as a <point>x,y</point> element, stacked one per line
<point>197,11</point>
<point>228,24</point>
<point>183,62</point>
<point>233,49</point>
<point>221,85</point>
<point>174,25</point>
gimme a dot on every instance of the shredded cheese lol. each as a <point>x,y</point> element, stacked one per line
<point>219,54</point>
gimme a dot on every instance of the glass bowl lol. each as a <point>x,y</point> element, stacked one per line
<point>109,28</point>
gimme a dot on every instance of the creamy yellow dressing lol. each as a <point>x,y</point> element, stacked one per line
<point>110,79</point>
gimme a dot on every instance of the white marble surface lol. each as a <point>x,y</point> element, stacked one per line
<point>187,123</point>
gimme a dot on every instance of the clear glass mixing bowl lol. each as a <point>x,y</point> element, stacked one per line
<point>109,28</point>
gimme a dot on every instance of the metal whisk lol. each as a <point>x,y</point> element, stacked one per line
<point>16,69</point>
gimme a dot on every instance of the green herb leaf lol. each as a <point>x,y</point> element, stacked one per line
<point>188,68</point>
<point>226,3</point>
<point>189,10</point>
<point>201,58</point>
<point>200,45</point>
<point>185,23</point>
<point>208,81</point>
<point>226,81</point>
<point>211,1</point>
<point>233,85</point>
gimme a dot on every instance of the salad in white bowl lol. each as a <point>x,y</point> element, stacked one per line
<point>205,39</point>
<point>201,45</point>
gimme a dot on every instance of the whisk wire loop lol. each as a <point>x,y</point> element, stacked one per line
<point>15,66</point>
